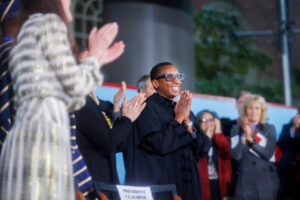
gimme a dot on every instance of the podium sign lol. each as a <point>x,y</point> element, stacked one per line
<point>134,193</point>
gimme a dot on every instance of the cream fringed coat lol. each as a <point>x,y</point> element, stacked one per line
<point>36,157</point>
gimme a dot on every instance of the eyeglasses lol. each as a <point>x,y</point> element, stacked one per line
<point>171,77</point>
<point>204,120</point>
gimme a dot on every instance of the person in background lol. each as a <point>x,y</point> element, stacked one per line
<point>144,85</point>
<point>228,123</point>
<point>253,143</point>
<point>10,23</point>
<point>48,83</point>
<point>287,165</point>
<point>215,168</point>
<point>167,143</point>
<point>101,132</point>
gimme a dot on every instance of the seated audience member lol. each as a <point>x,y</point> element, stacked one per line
<point>167,144</point>
<point>287,166</point>
<point>144,85</point>
<point>99,135</point>
<point>253,143</point>
<point>215,168</point>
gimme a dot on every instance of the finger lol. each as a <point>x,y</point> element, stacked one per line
<point>92,33</point>
<point>124,101</point>
<point>123,86</point>
<point>110,33</point>
<point>113,53</point>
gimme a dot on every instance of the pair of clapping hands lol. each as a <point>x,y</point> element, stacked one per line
<point>248,133</point>
<point>183,108</point>
<point>131,109</point>
<point>100,44</point>
<point>213,128</point>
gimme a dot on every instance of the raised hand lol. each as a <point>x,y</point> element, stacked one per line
<point>217,123</point>
<point>134,107</point>
<point>296,122</point>
<point>101,39</point>
<point>183,107</point>
<point>247,130</point>
<point>118,96</point>
<point>112,53</point>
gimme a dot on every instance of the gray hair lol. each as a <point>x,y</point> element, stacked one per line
<point>141,84</point>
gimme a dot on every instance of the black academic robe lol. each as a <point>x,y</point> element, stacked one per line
<point>162,151</point>
<point>97,142</point>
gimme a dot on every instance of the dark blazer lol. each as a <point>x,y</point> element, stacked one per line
<point>97,142</point>
<point>257,177</point>
<point>287,165</point>
<point>162,151</point>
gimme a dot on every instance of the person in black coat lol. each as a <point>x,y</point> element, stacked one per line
<point>253,146</point>
<point>98,136</point>
<point>167,144</point>
<point>287,165</point>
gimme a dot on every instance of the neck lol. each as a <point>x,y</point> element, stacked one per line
<point>169,98</point>
<point>252,123</point>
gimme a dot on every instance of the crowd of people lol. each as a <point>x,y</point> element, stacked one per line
<point>58,137</point>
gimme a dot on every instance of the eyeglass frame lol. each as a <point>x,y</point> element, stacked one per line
<point>179,76</point>
<point>204,120</point>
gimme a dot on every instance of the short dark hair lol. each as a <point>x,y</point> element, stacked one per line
<point>142,82</point>
<point>156,69</point>
<point>241,93</point>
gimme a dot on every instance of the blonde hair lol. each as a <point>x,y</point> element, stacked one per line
<point>255,99</point>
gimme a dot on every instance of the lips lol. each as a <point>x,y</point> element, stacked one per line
<point>174,88</point>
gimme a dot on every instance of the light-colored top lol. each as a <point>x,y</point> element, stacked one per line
<point>42,64</point>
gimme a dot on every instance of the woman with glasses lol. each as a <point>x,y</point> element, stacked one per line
<point>253,145</point>
<point>215,168</point>
<point>167,144</point>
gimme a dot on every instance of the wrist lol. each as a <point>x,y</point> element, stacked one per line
<point>179,120</point>
<point>188,124</point>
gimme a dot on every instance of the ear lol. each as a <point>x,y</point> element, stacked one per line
<point>155,84</point>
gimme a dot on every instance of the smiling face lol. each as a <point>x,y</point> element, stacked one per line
<point>167,89</point>
<point>66,6</point>
<point>254,112</point>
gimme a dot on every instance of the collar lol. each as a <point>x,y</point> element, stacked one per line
<point>162,100</point>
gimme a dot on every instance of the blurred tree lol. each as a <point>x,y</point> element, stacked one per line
<point>224,60</point>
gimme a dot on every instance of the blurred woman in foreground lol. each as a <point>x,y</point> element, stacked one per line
<point>48,83</point>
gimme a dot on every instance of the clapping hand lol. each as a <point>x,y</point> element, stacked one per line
<point>296,123</point>
<point>247,130</point>
<point>133,108</point>
<point>183,107</point>
<point>118,96</point>
<point>100,41</point>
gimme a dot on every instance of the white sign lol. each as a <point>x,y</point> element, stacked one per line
<point>134,193</point>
